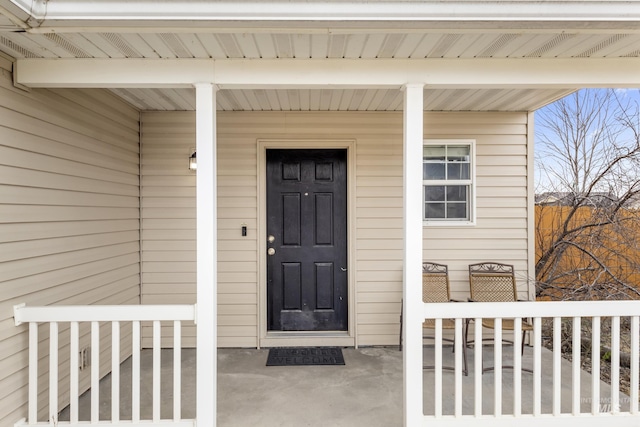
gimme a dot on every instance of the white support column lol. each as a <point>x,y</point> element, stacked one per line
<point>206,314</point>
<point>412,277</point>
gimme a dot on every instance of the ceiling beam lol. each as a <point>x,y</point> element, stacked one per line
<point>546,73</point>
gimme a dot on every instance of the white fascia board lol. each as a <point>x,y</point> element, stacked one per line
<point>195,10</point>
<point>17,11</point>
<point>544,73</point>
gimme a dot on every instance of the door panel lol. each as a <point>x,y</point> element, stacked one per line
<point>307,260</point>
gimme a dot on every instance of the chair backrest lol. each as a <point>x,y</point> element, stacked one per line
<point>435,282</point>
<point>492,282</point>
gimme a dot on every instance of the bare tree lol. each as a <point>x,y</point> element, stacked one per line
<point>588,187</point>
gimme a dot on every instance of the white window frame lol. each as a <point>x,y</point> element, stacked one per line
<point>471,183</point>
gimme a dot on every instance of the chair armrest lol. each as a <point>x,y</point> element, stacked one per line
<point>455,300</point>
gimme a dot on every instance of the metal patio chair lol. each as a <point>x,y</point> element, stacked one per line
<point>435,288</point>
<point>495,282</point>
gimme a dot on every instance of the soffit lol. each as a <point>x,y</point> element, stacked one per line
<point>321,40</point>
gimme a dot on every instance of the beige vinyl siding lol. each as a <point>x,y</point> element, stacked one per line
<point>168,200</point>
<point>69,220</point>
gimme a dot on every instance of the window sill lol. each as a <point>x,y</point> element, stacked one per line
<point>451,224</point>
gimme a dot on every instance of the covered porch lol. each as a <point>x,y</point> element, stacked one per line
<point>103,112</point>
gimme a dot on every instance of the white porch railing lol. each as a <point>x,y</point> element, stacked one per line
<point>73,318</point>
<point>546,377</point>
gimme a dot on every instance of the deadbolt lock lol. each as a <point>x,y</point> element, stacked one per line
<point>271,238</point>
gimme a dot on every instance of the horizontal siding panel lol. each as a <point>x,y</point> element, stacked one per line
<point>18,213</point>
<point>77,121</point>
<point>501,202</point>
<point>69,218</point>
<point>30,144</point>
<point>238,277</point>
<point>236,331</point>
<point>224,321</point>
<point>40,196</point>
<point>29,160</point>
<point>32,285</point>
<point>395,244</point>
<point>236,309</point>
<point>125,147</point>
<point>31,266</point>
<point>173,278</point>
<point>170,246</point>
<point>168,267</point>
<point>33,178</point>
<point>28,249</point>
<point>372,233</point>
<point>47,230</point>
<point>169,256</point>
<point>238,342</point>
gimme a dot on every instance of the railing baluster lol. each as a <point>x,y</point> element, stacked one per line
<point>615,364</point>
<point>157,341</point>
<point>635,355</point>
<point>135,371</point>
<point>517,366</point>
<point>595,365</point>
<point>177,371</point>
<point>33,373</point>
<point>458,367</point>
<point>95,372</point>
<point>438,368</point>
<point>576,345</point>
<point>497,368</point>
<point>537,366</point>
<point>477,367</point>
<point>557,359</point>
<point>53,372</point>
<point>115,372</point>
<point>97,317</point>
<point>74,367</point>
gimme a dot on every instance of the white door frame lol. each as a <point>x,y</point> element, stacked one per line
<point>310,338</point>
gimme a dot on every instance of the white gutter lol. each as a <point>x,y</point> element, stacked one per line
<point>197,10</point>
<point>16,15</point>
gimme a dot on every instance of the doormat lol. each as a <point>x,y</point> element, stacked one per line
<point>305,356</point>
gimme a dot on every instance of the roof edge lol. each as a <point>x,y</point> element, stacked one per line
<point>42,11</point>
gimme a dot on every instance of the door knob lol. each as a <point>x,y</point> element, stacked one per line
<point>271,251</point>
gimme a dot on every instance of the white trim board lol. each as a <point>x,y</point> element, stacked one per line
<point>278,339</point>
<point>548,73</point>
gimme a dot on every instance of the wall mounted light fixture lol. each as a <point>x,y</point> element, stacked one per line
<point>193,161</point>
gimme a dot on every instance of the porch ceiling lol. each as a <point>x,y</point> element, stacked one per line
<point>58,31</point>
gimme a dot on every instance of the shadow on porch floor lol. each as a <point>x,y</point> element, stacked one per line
<point>366,392</point>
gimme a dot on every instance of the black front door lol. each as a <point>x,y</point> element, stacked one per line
<point>307,240</point>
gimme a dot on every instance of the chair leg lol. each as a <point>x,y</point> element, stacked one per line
<point>464,354</point>
<point>466,330</point>
<point>400,341</point>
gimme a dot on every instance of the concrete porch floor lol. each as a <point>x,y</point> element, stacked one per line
<point>366,392</point>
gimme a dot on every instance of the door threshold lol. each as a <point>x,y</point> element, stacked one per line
<point>307,334</point>
<point>307,339</point>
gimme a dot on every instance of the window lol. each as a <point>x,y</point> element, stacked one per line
<point>448,178</point>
